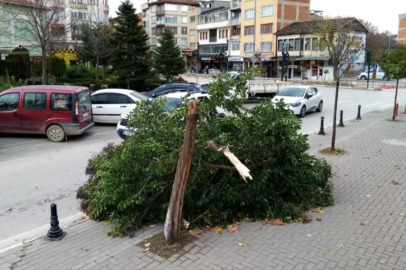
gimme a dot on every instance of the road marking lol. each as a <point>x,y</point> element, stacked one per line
<point>37,233</point>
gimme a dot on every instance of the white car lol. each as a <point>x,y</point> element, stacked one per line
<point>300,99</point>
<point>380,75</point>
<point>201,96</point>
<point>109,104</point>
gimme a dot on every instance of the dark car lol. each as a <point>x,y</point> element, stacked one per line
<point>173,88</point>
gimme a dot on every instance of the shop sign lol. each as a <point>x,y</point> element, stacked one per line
<point>265,59</point>
<point>206,59</point>
<point>292,66</point>
<point>235,59</point>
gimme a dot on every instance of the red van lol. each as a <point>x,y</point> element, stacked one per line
<point>57,111</point>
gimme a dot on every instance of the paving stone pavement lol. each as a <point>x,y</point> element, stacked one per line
<point>365,229</point>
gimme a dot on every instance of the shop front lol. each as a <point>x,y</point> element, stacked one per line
<point>314,68</point>
<point>235,64</point>
<point>213,57</point>
<point>191,60</point>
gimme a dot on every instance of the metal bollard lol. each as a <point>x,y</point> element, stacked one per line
<point>321,132</point>
<point>341,124</point>
<point>55,233</point>
<point>359,113</point>
<point>397,109</point>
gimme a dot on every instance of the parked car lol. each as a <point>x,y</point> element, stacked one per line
<point>193,96</point>
<point>109,104</point>
<point>213,71</point>
<point>173,88</point>
<point>57,111</point>
<point>123,131</point>
<point>300,99</point>
<point>380,75</point>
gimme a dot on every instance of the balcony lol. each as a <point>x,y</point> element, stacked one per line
<point>160,23</point>
<point>160,12</point>
<point>235,37</point>
<point>235,21</point>
<point>213,39</point>
<point>236,4</point>
<point>106,10</point>
<point>78,6</point>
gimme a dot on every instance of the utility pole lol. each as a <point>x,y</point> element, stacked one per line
<point>255,30</point>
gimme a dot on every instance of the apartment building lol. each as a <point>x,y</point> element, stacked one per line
<point>191,53</point>
<point>402,29</point>
<point>253,24</point>
<point>172,14</point>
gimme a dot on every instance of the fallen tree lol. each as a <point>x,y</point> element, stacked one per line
<point>131,183</point>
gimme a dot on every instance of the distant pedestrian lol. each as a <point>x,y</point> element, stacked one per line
<point>180,79</point>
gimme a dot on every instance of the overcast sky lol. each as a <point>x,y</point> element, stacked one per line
<point>383,14</point>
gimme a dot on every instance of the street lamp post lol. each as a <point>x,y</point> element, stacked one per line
<point>390,41</point>
<point>255,34</point>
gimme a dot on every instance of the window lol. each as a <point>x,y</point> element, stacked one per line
<point>171,19</point>
<point>248,30</point>
<point>59,15</point>
<point>184,8</point>
<point>308,42</point>
<point>193,32</point>
<point>249,14</point>
<point>203,35</point>
<point>184,19</point>
<point>280,45</point>
<point>213,17</point>
<point>266,28</point>
<point>266,46</point>
<point>291,45</point>
<point>184,42</point>
<point>192,18</point>
<point>153,41</point>
<point>183,31</point>
<point>153,9</point>
<point>235,46</point>
<point>99,99</point>
<point>315,44</point>
<point>322,45</point>
<point>153,31</point>
<point>248,47</point>
<point>61,102</point>
<point>93,2</point>
<point>171,7</point>
<point>119,99</point>
<point>267,11</point>
<point>93,17</point>
<point>175,41</point>
<point>297,44</point>
<point>173,29</point>
<point>9,102</point>
<point>153,20</point>
<point>193,45</point>
<point>78,15</point>
<point>84,98</point>
<point>76,30</point>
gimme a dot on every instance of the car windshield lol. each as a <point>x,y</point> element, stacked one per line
<point>292,92</point>
<point>233,75</point>
<point>172,103</point>
<point>138,95</point>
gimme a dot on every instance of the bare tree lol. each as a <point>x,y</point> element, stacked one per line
<point>344,39</point>
<point>41,23</point>
<point>95,46</point>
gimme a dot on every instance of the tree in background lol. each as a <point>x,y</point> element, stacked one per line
<point>168,61</point>
<point>19,63</point>
<point>95,44</point>
<point>395,67</point>
<point>56,67</point>
<point>129,55</point>
<point>340,36</point>
<point>41,22</point>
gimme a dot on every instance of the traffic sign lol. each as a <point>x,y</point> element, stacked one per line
<point>374,74</point>
<point>375,66</point>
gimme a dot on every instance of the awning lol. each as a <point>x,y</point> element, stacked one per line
<point>313,58</point>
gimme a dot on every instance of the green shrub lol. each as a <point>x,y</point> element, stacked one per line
<point>77,72</point>
<point>130,184</point>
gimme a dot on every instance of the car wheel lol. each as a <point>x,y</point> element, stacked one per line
<point>384,78</point>
<point>363,78</point>
<point>56,133</point>
<point>303,111</point>
<point>320,107</point>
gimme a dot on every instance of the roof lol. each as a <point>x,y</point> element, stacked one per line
<point>402,16</point>
<point>182,2</point>
<point>214,10</point>
<point>49,87</point>
<point>114,90</point>
<point>316,58</point>
<point>311,27</point>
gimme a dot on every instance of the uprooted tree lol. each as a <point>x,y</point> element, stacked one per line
<point>131,183</point>
<point>344,40</point>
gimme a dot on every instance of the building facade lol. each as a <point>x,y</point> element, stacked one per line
<point>309,58</point>
<point>402,29</point>
<point>253,25</point>
<point>172,14</point>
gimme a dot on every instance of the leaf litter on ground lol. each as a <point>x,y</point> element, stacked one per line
<point>244,244</point>
<point>277,221</point>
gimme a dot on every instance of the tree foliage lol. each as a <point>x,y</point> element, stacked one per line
<point>19,63</point>
<point>131,183</point>
<point>128,41</point>
<point>168,61</point>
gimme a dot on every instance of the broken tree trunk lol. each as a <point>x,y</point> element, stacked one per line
<point>241,168</point>
<point>174,215</point>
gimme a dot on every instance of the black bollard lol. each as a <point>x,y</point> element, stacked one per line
<point>359,113</point>
<point>321,132</point>
<point>55,233</point>
<point>341,124</point>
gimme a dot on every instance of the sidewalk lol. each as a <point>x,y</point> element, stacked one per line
<point>365,229</point>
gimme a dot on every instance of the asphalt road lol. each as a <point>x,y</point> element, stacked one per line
<point>35,172</point>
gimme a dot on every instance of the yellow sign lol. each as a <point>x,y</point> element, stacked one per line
<point>78,6</point>
<point>374,74</point>
<point>67,55</point>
